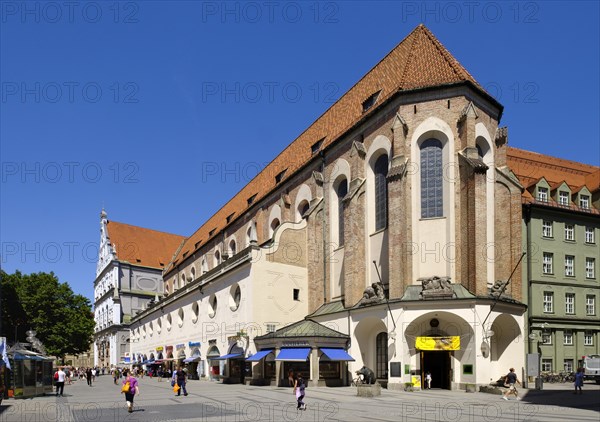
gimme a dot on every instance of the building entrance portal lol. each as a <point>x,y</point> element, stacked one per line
<point>438,364</point>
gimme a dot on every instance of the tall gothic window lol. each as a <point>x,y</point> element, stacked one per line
<point>381,170</point>
<point>342,191</point>
<point>432,192</point>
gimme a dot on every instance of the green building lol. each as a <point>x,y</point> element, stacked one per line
<point>561,234</point>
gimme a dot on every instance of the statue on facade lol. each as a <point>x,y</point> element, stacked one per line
<point>373,294</point>
<point>498,288</point>
<point>436,286</point>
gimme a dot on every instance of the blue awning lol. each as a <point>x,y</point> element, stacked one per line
<point>192,359</point>
<point>293,354</point>
<point>229,356</point>
<point>337,354</point>
<point>259,355</point>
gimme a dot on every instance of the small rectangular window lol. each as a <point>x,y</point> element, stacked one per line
<point>547,228</point>
<point>542,194</point>
<point>270,328</point>
<point>548,302</point>
<point>570,303</point>
<point>296,294</point>
<point>584,202</point>
<point>280,176</point>
<point>316,146</point>
<point>590,267</point>
<point>569,265</point>
<point>369,102</point>
<point>547,263</point>
<point>568,337</point>
<point>569,232</point>
<point>588,338</point>
<point>589,235</point>
<point>563,198</point>
<point>590,305</point>
<point>568,365</point>
<point>547,365</point>
<point>546,337</point>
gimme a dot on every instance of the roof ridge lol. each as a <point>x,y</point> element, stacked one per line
<point>458,69</point>
<point>146,228</point>
<point>589,168</point>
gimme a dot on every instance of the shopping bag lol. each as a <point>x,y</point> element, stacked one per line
<point>176,388</point>
<point>125,388</point>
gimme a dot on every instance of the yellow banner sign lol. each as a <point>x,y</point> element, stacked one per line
<point>438,343</point>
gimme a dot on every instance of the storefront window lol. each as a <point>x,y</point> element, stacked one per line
<point>329,370</point>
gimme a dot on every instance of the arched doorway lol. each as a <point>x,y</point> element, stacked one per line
<point>438,342</point>
<point>214,364</point>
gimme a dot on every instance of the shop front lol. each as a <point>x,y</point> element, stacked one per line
<point>31,374</point>
<point>214,364</point>
<point>306,347</point>
<point>194,362</point>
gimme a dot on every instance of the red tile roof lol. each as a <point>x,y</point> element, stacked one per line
<point>141,246</point>
<point>530,167</point>
<point>418,61</point>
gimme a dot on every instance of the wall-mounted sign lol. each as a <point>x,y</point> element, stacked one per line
<point>159,349</point>
<point>169,348</point>
<point>194,344</point>
<point>180,346</point>
<point>294,343</point>
<point>438,343</point>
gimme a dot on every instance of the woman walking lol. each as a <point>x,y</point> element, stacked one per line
<point>579,381</point>
<point>299,387</point>
<point>130,388</point>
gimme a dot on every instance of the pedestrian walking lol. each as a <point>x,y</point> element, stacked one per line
<point>115,374</point>
<point>130,389</point>
<point>579,380</point>
<point>60,377</point>
<point>88,376</point>
<point>180,378</point>
<point>428,380</point>
<point>510,381</point>
<point>299,391</point>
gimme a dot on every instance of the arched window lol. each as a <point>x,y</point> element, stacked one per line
<point>274,224</point>
<point>432,192</point>
<point>193,271</point>
<point>342,191</point>
<point>204,266</point>
<point>232,248</point>
<point>251,233</point>
<point>381,370</point>
<point>381,195</point>
<point>302,208</point>
<point>217,258</point>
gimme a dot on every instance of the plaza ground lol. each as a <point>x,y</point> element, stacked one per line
<point>211,401</point>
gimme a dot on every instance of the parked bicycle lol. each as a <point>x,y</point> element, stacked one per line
<point>357,381</point>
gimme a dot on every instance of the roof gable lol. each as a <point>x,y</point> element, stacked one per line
<point>141,246</point>
<point>419,61</point>
<point>304,328</point>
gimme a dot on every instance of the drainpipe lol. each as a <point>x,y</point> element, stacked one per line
<point>324,224</point>
<point>528,246</point>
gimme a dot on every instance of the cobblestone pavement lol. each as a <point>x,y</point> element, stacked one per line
<point>211,401</point>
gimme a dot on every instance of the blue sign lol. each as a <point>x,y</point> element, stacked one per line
<point>194,344</point>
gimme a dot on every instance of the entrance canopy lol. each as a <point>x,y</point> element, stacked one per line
<point>299,354</point>
<point>337,354</point>
<point>259,355</point>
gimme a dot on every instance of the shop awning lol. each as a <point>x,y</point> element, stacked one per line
<point>337,354</point>
<point>192,359</point>
<point>229,356</point>
<point>293,354</point>
<point>259,355</point>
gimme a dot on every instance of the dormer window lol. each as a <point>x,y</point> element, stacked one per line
<point>584,201</point>
<point>542,194</point>
<point>316,146</point>
<point>230,217</point>
<point>251,199</point>
<point>280,176</point>
<point>210,233</point>
<point>369,102</point>
<point>563,198</point>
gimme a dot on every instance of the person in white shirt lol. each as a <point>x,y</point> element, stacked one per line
<point>60,377</point>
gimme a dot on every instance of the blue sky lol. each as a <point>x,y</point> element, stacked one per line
<point>162,111</point>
